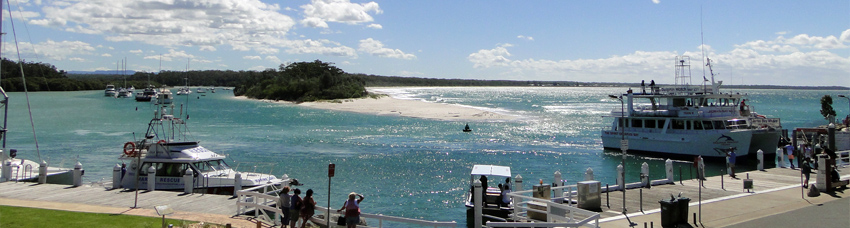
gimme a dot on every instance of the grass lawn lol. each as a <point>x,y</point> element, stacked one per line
<point>34,217</point>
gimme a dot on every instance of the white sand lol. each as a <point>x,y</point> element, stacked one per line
<point>386,105</point>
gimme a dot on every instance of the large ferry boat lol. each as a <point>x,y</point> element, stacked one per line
<point>689,120</point>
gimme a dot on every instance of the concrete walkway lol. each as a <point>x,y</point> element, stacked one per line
<point>779,207</point>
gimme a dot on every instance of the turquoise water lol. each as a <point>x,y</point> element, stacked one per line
<point>409,167</point>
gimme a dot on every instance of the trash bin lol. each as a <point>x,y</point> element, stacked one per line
<point>683,210</point>
<point>669,212</point>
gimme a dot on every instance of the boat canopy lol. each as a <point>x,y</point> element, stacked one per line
<point>182,150</point>
<point>491,170</point>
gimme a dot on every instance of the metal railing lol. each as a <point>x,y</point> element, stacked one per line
<point>557,214</point>
<point>261,201</point>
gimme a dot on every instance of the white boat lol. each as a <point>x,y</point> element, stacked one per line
<point>689,120</point>
<point>184,91</point>
<point>495,174</point>
<point>164,96</point>
<point>146,95</point>
<point>201,90</point>
<point>171,160</point>
<point>110,91</point>
<point>124,93</point>
<point>131,89</point>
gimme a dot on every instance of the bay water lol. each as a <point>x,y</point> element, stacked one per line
<point>408,167</point>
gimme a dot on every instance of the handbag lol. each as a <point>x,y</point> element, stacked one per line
<point>340,221</point>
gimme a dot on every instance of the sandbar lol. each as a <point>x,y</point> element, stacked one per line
<point>386,105</point>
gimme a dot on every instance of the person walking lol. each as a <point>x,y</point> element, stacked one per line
<point>295,205</point>
<point>806,168</point>
<point>352,210</point>
<point>790,150</point>
<point>309,208</point>
<point>732,157</point>
<point>284,205</point>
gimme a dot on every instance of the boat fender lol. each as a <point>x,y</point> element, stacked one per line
<point>129,148</point>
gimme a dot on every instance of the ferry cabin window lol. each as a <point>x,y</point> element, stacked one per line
<point>637,123</point>
<point>718,124</point>
<point>678,124</point>
<point>678,102</point>
<point>688,125</point>
<point>707,125</point>
<point>697,125</point>
<point>208,166</point>
<point>218,165</point>
<point>649,124</point>
<point>166,169</point>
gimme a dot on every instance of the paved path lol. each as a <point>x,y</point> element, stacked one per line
<point>97,199</point>
<point>772,205</point>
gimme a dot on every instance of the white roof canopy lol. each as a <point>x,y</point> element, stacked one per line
<point>491,170</point>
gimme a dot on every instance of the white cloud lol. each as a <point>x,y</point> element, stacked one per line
<point>273,59</point>
<point>781,61</point>
<point>106,55</point>
<point>310,46</point>
<point>376,48</point>
<point>53,50</point>
<point>252,57</point>
<point>319,12</point>
<point>525,37</point>
<point>656,1</point>
<point>76,59</point>
<point>375,26</point>
<point>175,55</point>
<point>206,24</point>
<point>136,51</point>
<point>490,58</point>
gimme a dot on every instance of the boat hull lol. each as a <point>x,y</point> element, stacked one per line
<point>706,144</point>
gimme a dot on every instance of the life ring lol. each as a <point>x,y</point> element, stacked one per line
<point>129,148</point>
<point>161,141</point>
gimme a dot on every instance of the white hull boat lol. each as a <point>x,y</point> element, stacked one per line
<point>686,120</point>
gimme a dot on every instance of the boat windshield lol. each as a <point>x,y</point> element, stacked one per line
<point>208,166</point>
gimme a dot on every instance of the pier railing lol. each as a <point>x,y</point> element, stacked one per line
<point>530,209</point>
<point>261,201</point>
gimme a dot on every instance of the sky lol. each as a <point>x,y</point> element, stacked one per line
<point>754,42</point>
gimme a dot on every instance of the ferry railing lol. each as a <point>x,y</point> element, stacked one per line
<point>557,214</point>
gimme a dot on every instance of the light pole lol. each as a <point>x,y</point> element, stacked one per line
<point>848,101</point>
<point>623,143</point>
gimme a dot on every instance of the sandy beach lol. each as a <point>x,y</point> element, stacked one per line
<point>386,105</point>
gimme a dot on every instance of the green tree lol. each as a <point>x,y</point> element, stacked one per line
<point>826,106</point>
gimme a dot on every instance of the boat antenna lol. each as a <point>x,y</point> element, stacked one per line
<point>24,80</point>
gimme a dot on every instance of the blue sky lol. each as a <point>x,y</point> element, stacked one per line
<point>751,42</point>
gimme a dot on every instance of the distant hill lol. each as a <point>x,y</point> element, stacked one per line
<point>103,72</point>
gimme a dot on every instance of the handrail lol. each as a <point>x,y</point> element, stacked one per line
<point>252,199</point>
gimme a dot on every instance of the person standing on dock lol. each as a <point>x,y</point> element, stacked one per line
<point>295,206</point>
<point>352,210</point>
<point>806,168</point>
<point>284,205</point>
<point>309,208</point>
<point>731,162</point>
<point>790,150</point>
